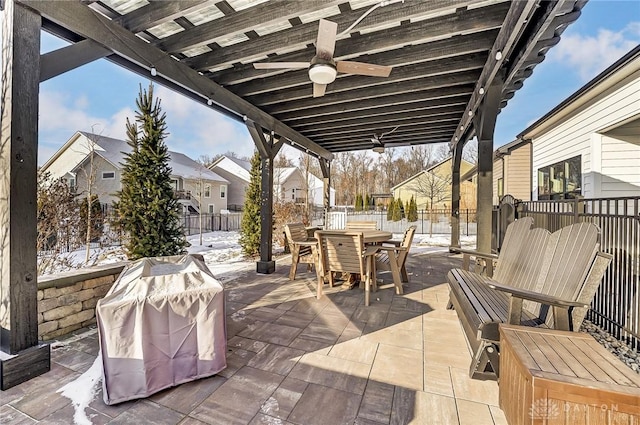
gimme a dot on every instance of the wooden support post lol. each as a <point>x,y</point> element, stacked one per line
<point>268,148</point>
<point>484,123</point>
<point>325,167</point>
<point>455,196</point>
<point>21,358</point>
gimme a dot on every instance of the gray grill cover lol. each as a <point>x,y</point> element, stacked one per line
<point>161,324</point>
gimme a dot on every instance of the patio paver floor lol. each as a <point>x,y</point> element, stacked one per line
<point>293,359</point>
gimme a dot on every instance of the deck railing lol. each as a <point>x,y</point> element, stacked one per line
<point>616,307</point>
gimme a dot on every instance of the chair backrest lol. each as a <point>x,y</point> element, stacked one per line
<point>341,251</point>
<point>361,225</point>
<point>407,240</point>
<point>509,258</point>
<point>296,232</point>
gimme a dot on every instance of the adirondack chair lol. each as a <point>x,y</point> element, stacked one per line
<point>343,252</point>
<point>303,249</point>
<point>394,258</point>
<point>548,280</point>
<point>361,225</point>
<point>514,235</point>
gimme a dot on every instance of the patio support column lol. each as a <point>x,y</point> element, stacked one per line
<point>325,166</point>
<point>268,147</point>
<point>484,123</point>
<point>455,195</point>
<point>18,207</point>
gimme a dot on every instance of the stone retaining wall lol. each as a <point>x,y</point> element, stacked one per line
<point>67,301</point>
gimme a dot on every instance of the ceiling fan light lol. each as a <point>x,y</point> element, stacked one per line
<point>378,149</point>
<point>322,73</point>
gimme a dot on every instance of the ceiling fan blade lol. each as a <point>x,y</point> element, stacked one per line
<point>361,68</point>
<point>326,43</point>
<point>319,89</point>
<point>281,65</point>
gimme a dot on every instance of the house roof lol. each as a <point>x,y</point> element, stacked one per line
<point>507,148</point>
<point>588,91</point>
<point>443,53</point>
<point>235,166</point>
<point>113,151</point>
<point>434,166</point>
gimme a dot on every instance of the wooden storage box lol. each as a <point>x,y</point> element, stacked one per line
<point>557,377</point>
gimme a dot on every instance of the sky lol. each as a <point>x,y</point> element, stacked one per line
<point>98,97</point>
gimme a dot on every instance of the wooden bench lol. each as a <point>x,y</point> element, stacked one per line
<point>547,280</point>
<point>550,376</point>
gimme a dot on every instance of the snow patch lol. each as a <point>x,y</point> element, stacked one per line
<point>83,390</point>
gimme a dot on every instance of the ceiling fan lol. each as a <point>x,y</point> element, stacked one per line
<point>322,68</point>
<point>378,144</point>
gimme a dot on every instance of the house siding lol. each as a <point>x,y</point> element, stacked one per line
<point>578,134</point>
<point>517,181</point>
<point>498,173</point>
<point>104,188</point>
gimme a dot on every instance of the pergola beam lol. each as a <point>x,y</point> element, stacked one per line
<point>347,97</point>
<point>90,24</point>
<point>398,78</point>
<point>70,57</point>
<point>158,12</point>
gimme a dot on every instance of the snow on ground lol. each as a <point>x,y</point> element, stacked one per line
<point>223,255</point>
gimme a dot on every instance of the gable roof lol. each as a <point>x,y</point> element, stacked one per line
<point>113,151</point>
<point>234,166</point>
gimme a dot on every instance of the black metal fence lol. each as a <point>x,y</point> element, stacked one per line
<point>437,221</point>
<point>210,222</point>
<point>616,306</point>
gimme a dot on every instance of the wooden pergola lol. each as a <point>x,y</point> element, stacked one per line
<point>455,63</point>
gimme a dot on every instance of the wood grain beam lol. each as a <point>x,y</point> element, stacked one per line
<point>391,119</point>
<point>374,106</point>
<point>399,76</point>
<point>241,22</point>
<point>89,24</point>
<point>475,20</point>
<point>338,119</point>
<point>158,12</point>
<point>432,53</point>
<point>384,127</point>
<point>378,93</point>
<point>65,59</point>
<point>519,14</point>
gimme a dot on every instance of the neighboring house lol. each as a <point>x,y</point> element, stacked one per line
<point>288,182</point>
<point>512,171</point>
<point>589,145</point>
<point>236,172</point>
<point>433,186</point>
<point>85,157</point>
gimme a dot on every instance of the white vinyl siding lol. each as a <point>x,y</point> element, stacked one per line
<point>576,135</point>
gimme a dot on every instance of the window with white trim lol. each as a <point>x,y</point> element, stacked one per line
<point>207,191</point>
<point>211,208</point>
<point>223,191</point>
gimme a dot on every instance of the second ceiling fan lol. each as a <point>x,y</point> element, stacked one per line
<point>322,68</point>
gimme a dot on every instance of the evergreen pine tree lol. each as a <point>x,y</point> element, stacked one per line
<point>390,210</point>
<point>365,202</point>
<point>401,206</point>
<point>412,214</point>
<point>148,210</point>
<point>397,210</point>
<point>358,206</point>
<point>250,225</point>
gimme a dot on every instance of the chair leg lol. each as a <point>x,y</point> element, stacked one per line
<point>395,271</point>
<point>484,362</point>
<point>403,272</point>
<point>294,264</point>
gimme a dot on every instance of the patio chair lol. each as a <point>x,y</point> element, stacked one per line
<point>393,257</point>
<point>303,249</point>
<point>344,252</point>
<point>361,225</point>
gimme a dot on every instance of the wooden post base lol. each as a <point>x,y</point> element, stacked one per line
<point>265,267</point>
<point>27,364</point>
